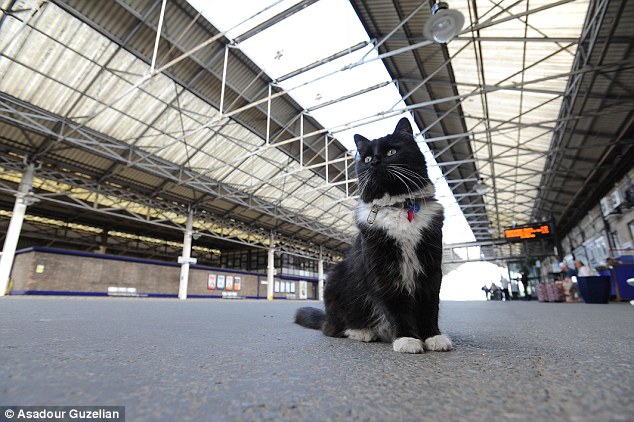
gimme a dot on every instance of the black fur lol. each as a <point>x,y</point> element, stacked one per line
<point>374,177</point>
<point>310,317</point>
<point>369,289</point>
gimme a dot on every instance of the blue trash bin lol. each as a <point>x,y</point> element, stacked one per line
<point>595,289</point>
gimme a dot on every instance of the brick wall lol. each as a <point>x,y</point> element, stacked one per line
<point>42,269</point>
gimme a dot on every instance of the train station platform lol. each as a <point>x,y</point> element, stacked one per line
<point>245,360</point>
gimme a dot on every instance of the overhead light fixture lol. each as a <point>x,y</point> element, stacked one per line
<point>481,187</point>
<point>444,24</point>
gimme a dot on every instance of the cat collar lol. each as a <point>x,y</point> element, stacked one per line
<point>411,205</point>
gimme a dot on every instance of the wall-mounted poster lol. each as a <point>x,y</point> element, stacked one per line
<point>229,283</point>
<point>236,283</point>
<point>220,284</point>
<point>211,282</point>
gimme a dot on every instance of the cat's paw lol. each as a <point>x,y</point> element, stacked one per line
<point>408,345</point>
<point>439,343</point>
<point>364,335</point>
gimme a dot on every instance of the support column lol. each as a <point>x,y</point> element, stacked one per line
<point>320,275</point>
<point>186,257</point>
<point>15,227</point>
<point>103,241</point>
<point>270,269</point>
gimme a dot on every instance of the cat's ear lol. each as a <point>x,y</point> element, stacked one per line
<point>361,141</point>
<point>404,129</point>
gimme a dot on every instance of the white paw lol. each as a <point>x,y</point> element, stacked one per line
<point>439,343</point>
<point>364,335</point>
<point>408,345</point>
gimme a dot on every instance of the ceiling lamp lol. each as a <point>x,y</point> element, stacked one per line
<point>481,188</point>
<point>444,24</point>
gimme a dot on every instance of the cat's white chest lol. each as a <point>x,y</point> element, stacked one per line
<point>394,220</point>
<point>407,234</point>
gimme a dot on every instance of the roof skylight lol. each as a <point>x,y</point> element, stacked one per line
<point>351,94</point>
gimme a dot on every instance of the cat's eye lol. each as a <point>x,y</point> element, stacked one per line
<point>367,159</point>
<point>391,152</point>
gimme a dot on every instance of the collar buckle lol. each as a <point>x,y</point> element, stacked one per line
<point>372,216</point>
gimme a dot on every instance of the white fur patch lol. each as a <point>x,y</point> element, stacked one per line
<point>364,335</point>
<point>439,343</point>
<point>407,234</point>
<point>408,345</point>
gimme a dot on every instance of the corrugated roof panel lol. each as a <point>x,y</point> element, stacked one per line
<point>499,65</point>
<point>537,138</point>
<point>504,105</point>
<point>249,179</point>
<point>81,159</point>
<point>116,124</point>
<point>140,177</point>
<point>608,121</point>
<point>22,82</point>
<point>549,22</point>
<point>238,134</point>
<point>463,62</point>
<point>179,152</point>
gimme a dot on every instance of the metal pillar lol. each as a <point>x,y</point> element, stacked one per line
<point>186,257</point>
<point>270,269</point>
<point>320,275</point>
<point>15,226</point>
<point>103,239</point>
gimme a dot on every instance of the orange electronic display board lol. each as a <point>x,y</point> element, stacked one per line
<point>533,231</point>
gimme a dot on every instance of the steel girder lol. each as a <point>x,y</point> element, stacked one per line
<point>38,121</point>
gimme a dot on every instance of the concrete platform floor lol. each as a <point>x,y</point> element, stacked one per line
<point>234,360</point>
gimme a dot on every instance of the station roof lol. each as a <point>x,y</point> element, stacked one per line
<point>227,115</point>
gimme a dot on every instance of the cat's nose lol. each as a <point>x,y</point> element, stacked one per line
<point>376,160</point>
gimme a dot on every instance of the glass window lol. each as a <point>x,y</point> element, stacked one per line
<point>601,249</point>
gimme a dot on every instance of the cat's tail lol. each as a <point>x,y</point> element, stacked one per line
<point>310,317</point>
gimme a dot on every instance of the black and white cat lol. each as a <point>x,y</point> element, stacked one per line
<point>387,287</point>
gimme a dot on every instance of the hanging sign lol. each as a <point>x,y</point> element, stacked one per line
<point>528,232</point>
<point>190,261</point>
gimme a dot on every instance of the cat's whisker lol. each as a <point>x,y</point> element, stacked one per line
<point>406,171</point>
<point>404,181</point>
<point>364,180</point>
<point>404,178</point>
<point>410,173</point>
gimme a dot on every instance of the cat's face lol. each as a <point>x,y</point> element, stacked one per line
<point>392,164</point>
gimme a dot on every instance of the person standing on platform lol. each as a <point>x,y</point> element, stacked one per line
<point>515,290</point>
<point>505,288</point>
<point>525,283</point>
